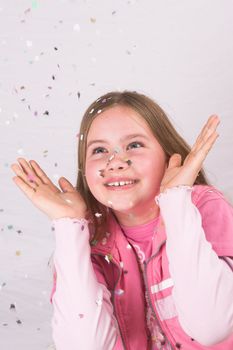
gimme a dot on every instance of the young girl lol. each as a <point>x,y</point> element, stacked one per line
<point>144,245</point>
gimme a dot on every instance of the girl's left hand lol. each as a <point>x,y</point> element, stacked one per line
<point>186,174</point>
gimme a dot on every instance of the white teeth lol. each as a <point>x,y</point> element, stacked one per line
<point>121,183</point>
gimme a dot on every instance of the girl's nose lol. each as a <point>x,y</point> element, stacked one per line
<point>117,163</point>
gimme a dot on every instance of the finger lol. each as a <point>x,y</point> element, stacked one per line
<point>41,174</point>
<point>24,187</point>
<point>65,185</point>
<point>24,177</point>
<point>175,161</point>
<point>196,158</point>
<point>209,128</point>
<point>30,173</point>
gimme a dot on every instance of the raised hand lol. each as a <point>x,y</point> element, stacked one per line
<point>186,174</point>
<point>36,185</point>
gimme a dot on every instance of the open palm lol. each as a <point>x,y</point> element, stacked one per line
<point>177,174</point>
<point>36,185</point>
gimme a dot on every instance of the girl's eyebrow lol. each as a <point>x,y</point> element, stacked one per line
<point>127,137</point>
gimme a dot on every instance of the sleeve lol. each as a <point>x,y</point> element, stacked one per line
<point>217,221</point>
<point>83,314</point>
<point>203,283</point>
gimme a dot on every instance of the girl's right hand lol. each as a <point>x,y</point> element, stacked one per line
<point>56,203</point>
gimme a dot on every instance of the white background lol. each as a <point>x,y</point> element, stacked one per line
<point>180,53</point>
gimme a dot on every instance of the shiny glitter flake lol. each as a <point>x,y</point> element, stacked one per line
<point>119,292</point>
<point>99,301</point>
<point>31,177</point>
<point>108,258</point>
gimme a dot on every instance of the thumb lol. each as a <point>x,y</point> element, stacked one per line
<point>174,161</point>
<point>65,185</point>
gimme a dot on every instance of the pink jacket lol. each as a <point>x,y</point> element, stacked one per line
<point>98,305</point>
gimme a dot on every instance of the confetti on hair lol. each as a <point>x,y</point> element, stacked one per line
<point>99,111</point>
<point>18,252</point>
<point>98,215</point>
<point>104,100</point>
<point>92,110</point>
<point>81,137</point>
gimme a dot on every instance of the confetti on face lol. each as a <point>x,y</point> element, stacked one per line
<point>68,201</point>
<point>101,172</point>
<point>110,204</point>
<point>129,162</point>
<point>121,264</point>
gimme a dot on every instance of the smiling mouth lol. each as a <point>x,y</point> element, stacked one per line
<point>118,184</point>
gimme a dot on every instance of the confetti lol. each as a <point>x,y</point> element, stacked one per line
<point>81,137</point>
<point>81,315</point>
<point>91,111</point>
<point>104,241</point>
<point>99,301</point>
<point>12,307</point>
<point>119,291</point>
<point>98,215</point>
<point>93,20</point>
<point>128,246</point>
<point>18,252</point>
<point>19,322</point>
<point>129,162</point>
<point>101,172</point>
<point>108,258</point>
<point>31,177</point>
<point>99,111</point>
<point>76,27</point>
<point>121,264</point>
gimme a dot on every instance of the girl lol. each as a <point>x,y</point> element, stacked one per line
<point>144,245</point>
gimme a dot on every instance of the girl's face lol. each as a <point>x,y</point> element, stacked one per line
<point>124,163</point>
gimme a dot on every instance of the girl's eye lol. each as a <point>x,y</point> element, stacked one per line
<point>99,150</point>
<point>134,144</point>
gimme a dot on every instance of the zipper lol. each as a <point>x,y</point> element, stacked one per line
<point>119,275</point>
<point>145,263</point>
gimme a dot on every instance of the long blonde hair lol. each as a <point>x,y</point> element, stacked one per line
<point>161,127</point>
